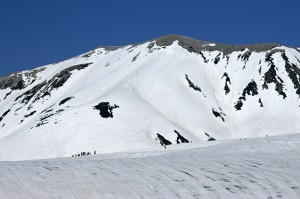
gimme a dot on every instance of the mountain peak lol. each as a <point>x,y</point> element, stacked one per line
<point>196,45</point>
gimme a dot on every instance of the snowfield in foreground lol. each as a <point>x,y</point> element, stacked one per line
<point>253,168</point>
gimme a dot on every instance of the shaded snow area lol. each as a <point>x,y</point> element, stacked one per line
<point>252,168</point>
<point>167,91</point>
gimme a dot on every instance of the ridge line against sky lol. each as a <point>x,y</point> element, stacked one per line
<point>35,33</point>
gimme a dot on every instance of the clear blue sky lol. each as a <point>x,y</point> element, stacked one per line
<point>36,32</point>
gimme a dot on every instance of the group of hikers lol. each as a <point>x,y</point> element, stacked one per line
<point>84,154</point>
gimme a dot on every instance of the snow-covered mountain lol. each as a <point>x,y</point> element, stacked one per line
<point>172,89</point>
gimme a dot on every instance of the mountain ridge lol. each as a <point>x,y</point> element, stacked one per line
<point>170,38</point>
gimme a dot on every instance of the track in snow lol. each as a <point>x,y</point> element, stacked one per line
<point>253,168</point>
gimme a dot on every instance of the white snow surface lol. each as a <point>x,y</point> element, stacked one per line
<point>153,95</point>
<point>249,168</point>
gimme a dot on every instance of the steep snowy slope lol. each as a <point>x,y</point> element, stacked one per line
<point>257,168</point>
<point>136,97</point>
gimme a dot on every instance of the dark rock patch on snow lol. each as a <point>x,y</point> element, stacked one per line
<point>217,59</point>
<point>106,111</point>
<point>60,79</point>
<point>151,47</point>
<point>261,104</point>
<point>41,123</point>
<point>46,116</point>
<point>251,89</point>
<point>218,114</point>
<point>238,105</point>
<point>293,72</point>
<point>246,55</point>
<point>7,94</point>
<point>49,109</point>
<point>209,137</point>
<point>227,60</point>
<point>227,80</point>
<point>163,141</point>
<point>30,93</point>
<point>65,100</point>
<point>14,82</point>
<point>30,114</point>
<point>44,89</point>
<point>271,77</point>
<point>49,113</point>
<point>192,85</point>
<point>135,57</point>
<point>180,138</point>
<point>4,114</point>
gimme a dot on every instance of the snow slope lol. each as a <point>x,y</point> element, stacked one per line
<point>132,98</point>
<point>253,168</point>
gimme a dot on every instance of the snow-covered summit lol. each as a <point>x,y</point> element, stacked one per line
<point>172,89</point>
